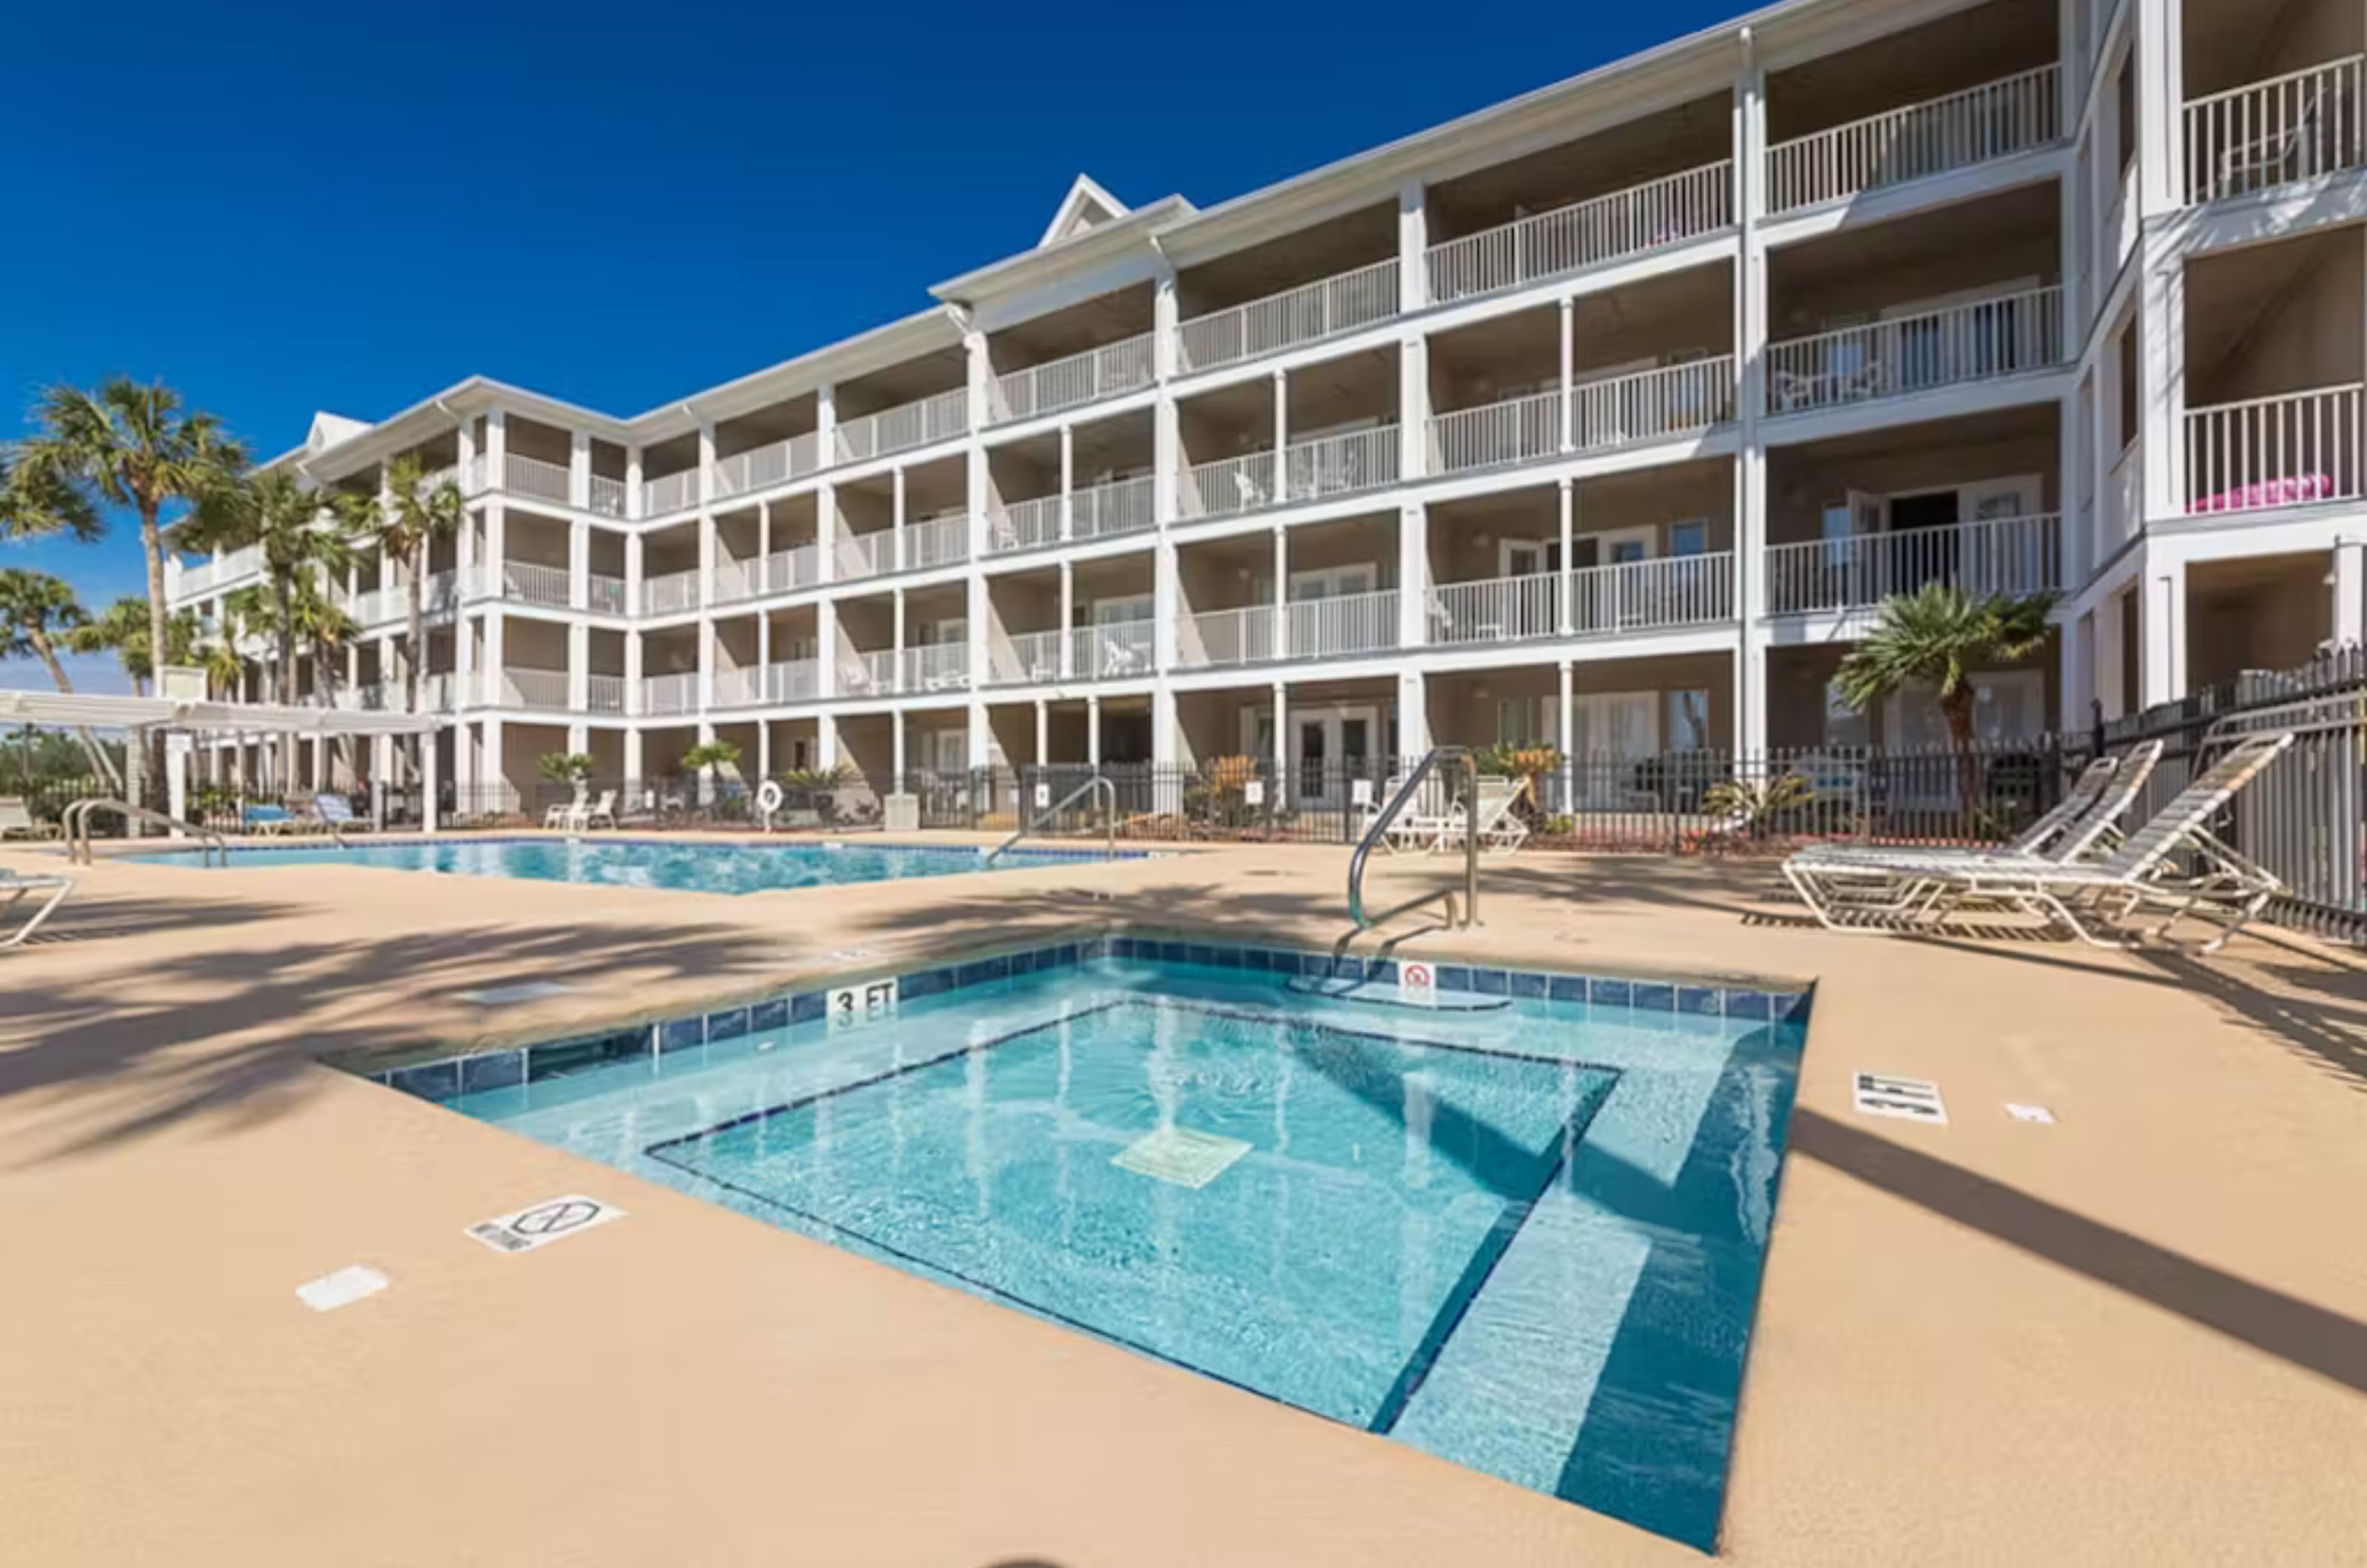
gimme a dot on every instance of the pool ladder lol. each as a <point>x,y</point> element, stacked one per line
<point>1097,784</point>
<point>1439,757</point>
<point>76,817</point>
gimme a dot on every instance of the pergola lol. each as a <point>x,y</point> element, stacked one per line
<point>179,716</point>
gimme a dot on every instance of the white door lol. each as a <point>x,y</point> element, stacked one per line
<point>1610,732</point>
<point>1332,748</point>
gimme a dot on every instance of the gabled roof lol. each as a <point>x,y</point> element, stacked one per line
<point>1086,205</point>
<point>328,429</point>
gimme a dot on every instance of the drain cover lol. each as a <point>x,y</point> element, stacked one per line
<point>343,1288</point>
<point>2030,1112</point>
<point>1913,1099</point>
<point>1180,1156</point>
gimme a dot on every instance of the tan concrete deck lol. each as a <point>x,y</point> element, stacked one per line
<point>2132,1337</point>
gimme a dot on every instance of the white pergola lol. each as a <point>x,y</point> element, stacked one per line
<point>174,715</point>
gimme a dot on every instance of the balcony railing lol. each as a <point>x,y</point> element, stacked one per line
<point>1518,430</point>
<point>2278,133</point>
<point>1996,119</point>
<point>1024,525</point>
<point>1340,465</point>
<point>442,593</point>
<point>871,674</point>
<point>439,691</point>
<point>1498,609</point>
<point>1114,652</point>
<point>669,594</point>
<point>1302,315</point>
<point>1110,371</point>
<point>941,540</point>
<point>670,493</point>
<point>2013,555</point>
<point>739,688</point>
<point>545,689</point>
<point>1602,229</point>
<point>604,596</point>
<point>761,467</point>
<point>222,569</point>
<point>939,666</point>
<point>370,697</point>
<point>938,418</point>
<point>1027,658</point>
<point>521,475</point>
<point>530,583</point>
<point>2279,451</point>
<point>606,496</point>
<point>735,580</point>
<point>1666,404</point>
<point>381,606</point>
<point>2009,335</point>
<point>1652,595</point>
<point>793,681</point>
<point>800,566</point>
<point>1121,506</point>
<point>858,556</point>
<point>1345,626</point>
<point>1229,486</point>
<point>1222,639</point>
<point>604,694</point>
<point>670,694</point>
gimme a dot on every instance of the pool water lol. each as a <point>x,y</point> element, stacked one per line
<point>642,863</point>
<point>1526,1237</point>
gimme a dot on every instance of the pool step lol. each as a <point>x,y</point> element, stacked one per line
<point>1387,994</point>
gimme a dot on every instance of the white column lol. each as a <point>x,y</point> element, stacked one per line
<point>579,668</point>
<point>497,444</point>
<point>1068,481</point>
<point>1413,406</point>
<point>2077,682</point>
<point>1413,714</point>
<point>495,688</point>
<point>978,738</point>
<point>1162,730</point>
<point>493,773</point>
<point>1281,648</point>
<point>633,546</point>
<point>763,657</point>
<point>428,781</point>
<point>1281,793</point>
<point>2349,616</point>
<point>1413,575</point>
<point>826,649</point>
<point>706,545</point>
<point>1093,730</point>
<point>896,600</point>
<point>467,433</point>
<point>2161,87</point>
<point>704,489</point>
<point>633,705</point>
<point>1166,596</point>
<point>764,749</point>
<point>896,508</point>
<point>1750,355</point>
<point>579,471</point>
<point>826,532</point>
<point>1565,614</point>
<point>1068,619</point>
<point>177,776</point>
<point>896,735</point>
<point>1569,373</point>
<point>1565,719</point>
<point>706,665</point>
<point>381,765</point>
<point>579,565</point>
<point>2162,622</point>
<point>632,482</point>
<point>1280,433</point>
<point>2161,376</point>
<point>1043,732</point>
<point>1413,245</point>
<point>2111,674</point>
<point>826,742</point>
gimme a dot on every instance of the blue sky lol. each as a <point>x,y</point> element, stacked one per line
<point>280,209</point>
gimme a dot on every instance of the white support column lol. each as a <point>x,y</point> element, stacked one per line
<point>1164,735</point>
<point>704,489</point>
<point>2348,582</point>
<point>428,781</point>
<point>2077,676</point>
<point>1413,406</point>
<point>633,705</point>
<point>579,737</point>
<point>579,471</point>
<point>1750,355</point>
<point>1568,340</point>
<point>492,771</point>
<point>495,686</point>
<point>497,451</point>
<point>633,482</point>
<point>1166,596</point>
<point>1280,435</point>
<point>1566,613</point>
<point>826,742</point>
<point>2112,673</point>
<point>896,509</point>
<point>2161,376</point>
<point>579,669</point>
<point>706,629</point>
<point>978,739</point>
<point>1043,733</point>
<point>1413,246</point>
<point>633,757</point>
<point>579,565</point>
<point>1281,648</point>
<point>2162,622</point>
<point>897,681</point>
<point>467,434</point>
<point>826,532</point>
<point>1566,717</point>
<point>494,583</point>
<point>1413,575</point>
<point>1413,714</point>
<point>1068,619</point>
<point>764,749</point>
<point>1093,731</point>
<point>705,598</point>
<point>826,649</point>
<point>1068,481</point>
<point>763,657</point>
<point>896,739</point>
<point>2161,87</point>
<point>382,749</point>
<point>1280,794</point>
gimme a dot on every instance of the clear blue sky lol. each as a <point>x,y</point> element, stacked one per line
<point>280,209</point>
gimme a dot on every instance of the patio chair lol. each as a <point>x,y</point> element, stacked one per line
<point>601,811</point>
<point>16,886</point>
<point>17,820</point>
<point>265,820</point>
<point>336,811</point>
<point>561,813</point>
<point>2226,890</point>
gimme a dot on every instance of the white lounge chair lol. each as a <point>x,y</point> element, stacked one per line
<point>600,813</point>
<point>2225,889</point>
<point>1497,827</point>
<point>565,811</point>
<point>16,886</point>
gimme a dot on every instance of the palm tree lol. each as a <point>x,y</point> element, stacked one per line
<point>1938,637</point>
<point>323,627</point>
<point>38,612</point>
<point>127,444</point>
<point>35,501</point>
<point>408,531</point>
<point>122,629</point>
<point>274,511</point>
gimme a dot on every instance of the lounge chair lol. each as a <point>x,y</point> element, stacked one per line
<point>602,811</point>
<point>1497,827</point>
<point>566,811</point>
<point>336,813</point>
<point>265,820</point>
<point>2225,889</point>
<point>17,885</point>
<point>16,819</point>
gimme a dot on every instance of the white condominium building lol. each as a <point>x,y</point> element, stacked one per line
<point>1602,418</point>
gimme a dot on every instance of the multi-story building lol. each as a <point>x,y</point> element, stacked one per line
<point>1604,418</point>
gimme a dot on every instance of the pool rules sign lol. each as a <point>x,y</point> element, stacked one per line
<point>543,1223</point>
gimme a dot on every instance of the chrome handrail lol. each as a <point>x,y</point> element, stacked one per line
<point>76,820</point>
<point>1095,784</point>
<point>1390,813</point>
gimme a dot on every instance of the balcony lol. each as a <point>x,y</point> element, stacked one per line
<point>670,493</point>
<point>604,694</point>
<point>2279,132</point>
<point>1349,626</point>
<point>941,667</point>
<point>1996,119</point>
<point>932,419</point>
<point>1499,609</point>
<point>2012,334</point>
<point>1121,506</point>
<point>735,580</point>
<point>1311,470</point>
<point>532,476</point>
<point>761,467</point>
<point>941,540</point>
<point>738,688</point>
<point>1668,403</point>
<point>1027,658</point>
<point>1117,650</point>
<point>439,691</point>
<point>670,695</point>
<point>604,596</point>
<point>379,607</point>
<point>1308,314</point>
<point>1624,223</point>
<point>606,496</point>
<point>221,571</point>
<point>858,556</point>
<point>793,681</point>
<point>2013,555</point>
<point>671,593</point>
<point>526,582</point>
<point>2277,451</point>
<point>540,689</point>
<point>871,674</point>
<point>1110,371</point>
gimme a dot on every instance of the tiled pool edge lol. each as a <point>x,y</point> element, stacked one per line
<point>443,1078</point>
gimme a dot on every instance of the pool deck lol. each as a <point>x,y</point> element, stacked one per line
<point>2136,1335</point>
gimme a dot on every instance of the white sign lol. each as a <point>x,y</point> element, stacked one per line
<point>851,1007</point>
<point>343,1288</point>
<point>2030,1112</point>
<point>544,1223</point>
<point>1043,797</point>
<point>1253,792</point>
<point>1360,792</point>
<point>1910,1099</point>
<point>181,683</point>
<point>1418,982</point>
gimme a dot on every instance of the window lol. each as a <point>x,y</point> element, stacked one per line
<point>1844,726</point>
<point>2125,95</point>
<point>1689,538</point>
<point>1686,722</point>
<point>2129,394</point>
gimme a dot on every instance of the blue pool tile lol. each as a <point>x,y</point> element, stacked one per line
<point>1454,977</point>
<point>1231,958</point>
<point>772,1014</point>
<point>1491,982</point>
<point>1381,971</point>
<point>563,1056</point>
<point>1257,958</point>
<point>1699,999</point>
<point>676,1033</point>
<point>729,1024</point>
<point>1344,967</point>
<point>983,970</point>
<point>1282,960</point>
<point>1127,947</point>
<point>1022,962</point>
<point>1567,988</point>
<point>1650,995</point>
<point>1749,1004</point>
<point>1066,954</point>
<point>496,1069</point>
<point>1607,993</point>
<point>924,983</point>
<point>806,1006</point>
<point>1201,954</point>
<point>429,1080</point>
<point>1789,1005</point>
<point>1528,985</point>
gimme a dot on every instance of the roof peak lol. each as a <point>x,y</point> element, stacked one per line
<point>1086,206</point>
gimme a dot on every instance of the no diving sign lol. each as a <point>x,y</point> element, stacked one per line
<point>544,1223</point>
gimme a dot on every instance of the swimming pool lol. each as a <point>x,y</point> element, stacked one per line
<point>644,862</point>
<point>1519,1227</point>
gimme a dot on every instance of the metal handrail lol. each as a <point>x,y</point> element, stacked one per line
<point>1095,784</point>
<point>76,819</point>
<point>1390,813</point>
